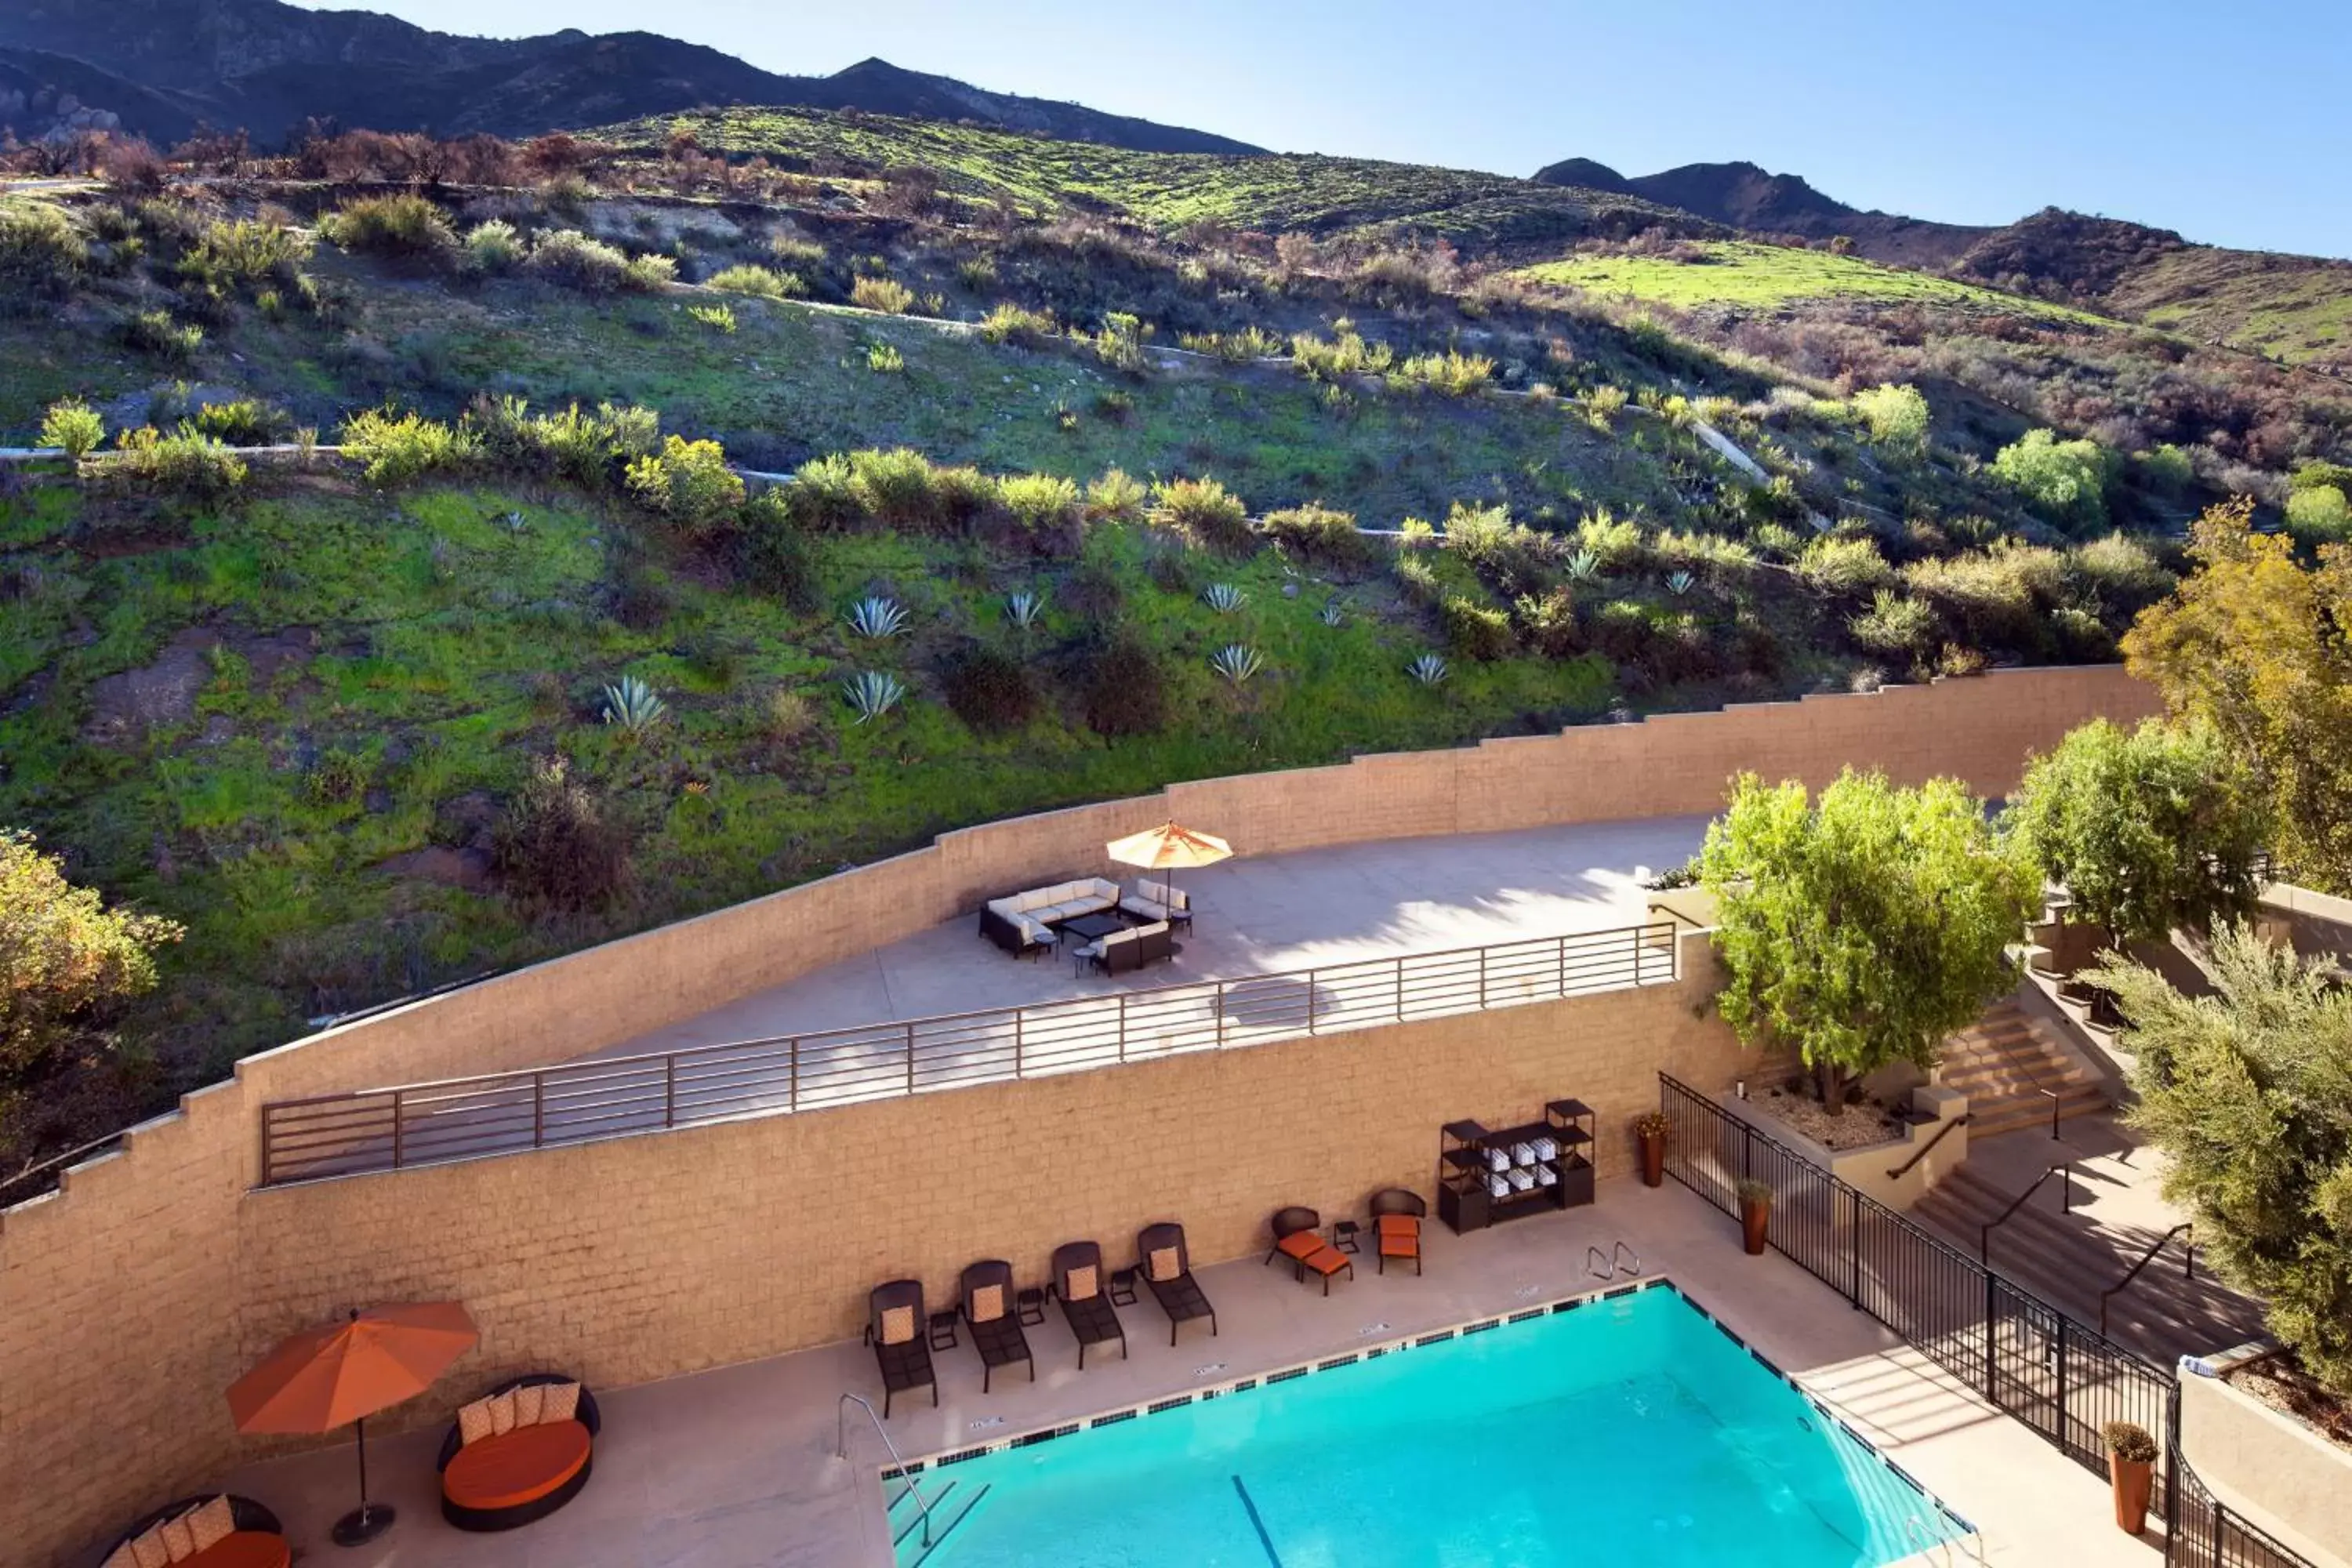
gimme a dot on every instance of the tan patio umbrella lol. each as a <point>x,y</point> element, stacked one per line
<point>1169,848</point>
<point>342,1373</point>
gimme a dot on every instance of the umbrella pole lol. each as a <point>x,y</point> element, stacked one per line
<point>368,1520</point>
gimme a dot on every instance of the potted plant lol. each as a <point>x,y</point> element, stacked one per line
<point>1651,1127</point>
<point>1754,1213</point>
<point>2131,1470</point>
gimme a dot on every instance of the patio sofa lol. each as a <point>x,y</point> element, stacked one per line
<point>1125,951</point>
<point>518,1453</point>
<point>1023,923</point>
<point>1151,902</point>
<point>215,1530</point>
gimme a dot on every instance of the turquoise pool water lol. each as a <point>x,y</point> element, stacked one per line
<point>1629,1432</point>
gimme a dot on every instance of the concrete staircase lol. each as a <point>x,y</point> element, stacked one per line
<point>2069,1259</point>
<point>2004,1061</point>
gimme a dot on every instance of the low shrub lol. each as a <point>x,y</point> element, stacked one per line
<point>719,318</point>
<point>73,427</point>
<point>568,257</point>
<point>1844,568</point>
<point>154,332</point>
<point>1474,630</point>
<point>1204,512</point>
<point>184,466</point>
<point>763,282</point>
<point>1125,692</point>
<point>1321,534</point>
<point>1897,418</point>
<point>2064,481</point>
<point>1347,354</point>
<point>887,295</point>
<point>1009,323</point>
<point>2123,575</point>
<point>403,227</point>
<point>556,845</point>
<point>1417,580</point>
<point>1510,556</point>
<point>494,249</point>
<point>242,422</point>
<point>1615,543</point>
<point>1115,498</point>
<point>989,687</point>
<point>771,552</point>
<point>2318,515</point>
<point>245,253</point>
<point>1895,625</point>
<point>648,274</point>
<point>397,448</point>
<point>1547,622</point>
<point>1045,505</point>
<point>823,495</point>
<point>1252,342</point>
<point>688,485</point>
<point>42,255</point>
<point>1449,375</point>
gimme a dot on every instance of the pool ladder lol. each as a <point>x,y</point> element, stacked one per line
<point>1913,1530</point>
<point>1622,1259</point>
<point>841,1451</point>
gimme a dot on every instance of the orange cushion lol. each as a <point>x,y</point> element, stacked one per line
<point>1399,1244</point>
<point>1408,1224</point>
<point>516,1468</point>
<point>1299,1244</point>
<point>1330,1260</point>
<point>244,1549</point>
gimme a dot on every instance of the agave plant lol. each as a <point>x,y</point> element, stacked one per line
<point>1024,609</point>
<point>1584,566</point>
<point>1334,611</point>
<point>1236,662</point>
<point>1680,583</point>
<point>630,705</point>
<point>1428,669</point>
<point>873,692</point>
<point>1222,597</point>
<point>877,618</point>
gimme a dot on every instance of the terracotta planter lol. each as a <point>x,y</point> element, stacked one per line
<point>1754,1215</point>
<point>2133,1481</point>
<point>1653,1159</point>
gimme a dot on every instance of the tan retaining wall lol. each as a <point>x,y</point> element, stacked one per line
<point>2278,1473</point>
<point>130,1299</point>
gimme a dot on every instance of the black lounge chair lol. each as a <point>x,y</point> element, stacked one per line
<point>898,1329</point>
<point>1078,1285</point>
<point>988,1306</point>
<point>1298,1236</point>
<point>1167,1267</point>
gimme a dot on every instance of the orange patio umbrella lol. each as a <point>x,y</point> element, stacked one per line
<point>343,1373</point>
<point>1168,847</point>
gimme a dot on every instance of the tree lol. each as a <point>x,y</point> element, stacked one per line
<point>2065,481</point>
<point>1861,930</point>
<point>2259,648</point>
<point>65,957</point>
<point>2248,1092</point>
<point>2148,829</point>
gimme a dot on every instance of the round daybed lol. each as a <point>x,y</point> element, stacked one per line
<point>510,1478</point>
<point>255,1538</point>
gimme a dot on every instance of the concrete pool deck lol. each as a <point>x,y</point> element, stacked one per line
<point>1253,915</point>
<point>735,1467</point>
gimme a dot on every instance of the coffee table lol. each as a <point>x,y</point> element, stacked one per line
<point>1093,927</point>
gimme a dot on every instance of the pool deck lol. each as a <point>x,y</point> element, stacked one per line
<point>1266,914</point>
<point>735,1467</point>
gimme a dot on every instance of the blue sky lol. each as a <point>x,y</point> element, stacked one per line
<point>2224,123</point>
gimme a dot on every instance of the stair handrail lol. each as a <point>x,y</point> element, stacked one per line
<point>2147,1258</point>
<point>2065,1170</point>
<point>1627,1249</point>
<point>1899,1171</point>
<point>841,1451</point>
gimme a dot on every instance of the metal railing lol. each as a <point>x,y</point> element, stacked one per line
<point>2199,1533</point>
<point>841,1451</point>
<point>614,1097</point>
<point>2189,1272</point>
<point>1903,1170</point>
<point>2064,1169</point>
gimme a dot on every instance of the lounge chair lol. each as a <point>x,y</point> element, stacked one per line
<point>1298,1236</point>
<point>236,1532</point>
<point>1167,1267</point>
<point>1150,900</point>
<point>1123,951</point>
<point>1396,1226</point>
<point>899,1331</point>
<point>520,1452</point>
<point>1078,1286</point>
<point>987,1302</point>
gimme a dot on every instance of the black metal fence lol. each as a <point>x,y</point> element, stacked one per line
<point>2028,1358</point>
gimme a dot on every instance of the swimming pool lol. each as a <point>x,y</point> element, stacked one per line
<point>1630,1430</point>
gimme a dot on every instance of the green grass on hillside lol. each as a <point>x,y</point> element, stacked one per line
<point>1743,273</point>
<point>2288,308</point>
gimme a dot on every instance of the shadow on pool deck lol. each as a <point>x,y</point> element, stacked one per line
<point>736,1468</point>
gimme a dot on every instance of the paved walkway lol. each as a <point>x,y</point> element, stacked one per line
<point>736,1468</point>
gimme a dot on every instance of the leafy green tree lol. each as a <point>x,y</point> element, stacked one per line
<point>2065,481</point>
<point>65,957</point>
<point>1862,928</point>
<point>2259,646</point>
<point>1897,415</point>
<point>2248,1092</point>
<point>2149,829</point>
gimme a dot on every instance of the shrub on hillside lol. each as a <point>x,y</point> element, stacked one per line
<point>763,282</point>
<point>1844,568</point>
<point>687,484</point>
<point>154,332</point>
<point>42,255</point>
<point>2121,575</point>
<point>1347,354</point>
<point>1115,498</point>
<point>187,467</point>
<point>73,427</point>
<point>1547,622</point>
<point>402,228</point>
<point>574,260</point>
<point>1009,323</point>
<point>242,422</point>
<point>1125,692</point>
<point>1450,375</point>
<point>989,687</point>
<point>883,294</point>
<point>1474,630</point>
<point>1615,543</point>
<point>1897,416</point>
<point>67,961</point>
<point>494,249</point>
<point>1204,512</point>
<point>556,845</point>
<point>772,552</point>
<point>823,495</point>
<point>1511,556</point>
<point>589,448</point>
<point>902,489</point>
<point>2065,481</point>
<point>1047,506</point>
<point>1321,534</point>
<point>2318,515</point>
<point>399,449</point>
<point>245,253</point>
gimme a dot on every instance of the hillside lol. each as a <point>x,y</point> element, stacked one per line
<point>160,65</point>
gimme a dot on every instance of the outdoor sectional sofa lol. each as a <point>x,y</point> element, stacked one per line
<point>1123,951</point>
<point>1023,923</point>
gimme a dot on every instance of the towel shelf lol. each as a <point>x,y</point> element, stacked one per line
<point>1466,1169</point>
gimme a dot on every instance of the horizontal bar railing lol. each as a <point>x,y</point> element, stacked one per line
<point>433,1122</point>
